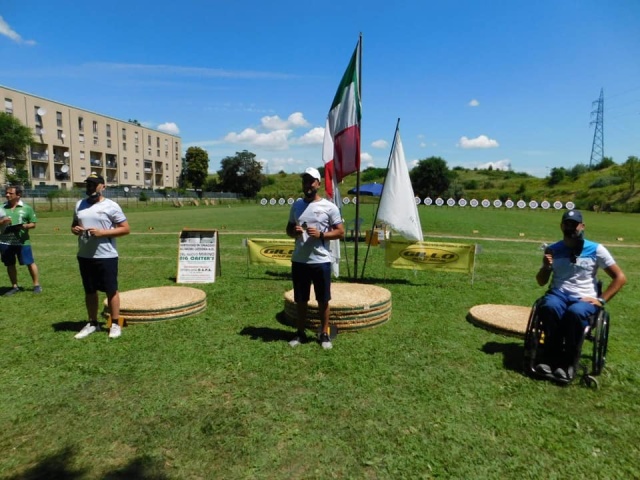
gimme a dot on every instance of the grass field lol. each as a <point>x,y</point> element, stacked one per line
<point>222,395</point>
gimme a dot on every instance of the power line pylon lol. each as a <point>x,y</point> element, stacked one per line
<point>597,148</point>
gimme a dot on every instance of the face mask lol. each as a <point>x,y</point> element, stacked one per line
<point>92,195</point>
<point>311,193</point>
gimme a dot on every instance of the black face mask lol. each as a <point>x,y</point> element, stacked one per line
<point>310,193</point>
<point>92,195</point>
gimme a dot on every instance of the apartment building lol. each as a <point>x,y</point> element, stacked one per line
<point>70,143</point>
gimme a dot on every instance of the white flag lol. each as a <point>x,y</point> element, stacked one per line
<point>398,207</point>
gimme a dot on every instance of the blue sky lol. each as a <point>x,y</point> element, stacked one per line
<point>473,82</point>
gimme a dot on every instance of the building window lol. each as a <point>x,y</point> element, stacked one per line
<point>124,161</point>
<point>157,142</point>
<point>124,147</point>
<point>149,140</point>
<point>108,143</point>
<point>8,106</point>
<point>137,149</point>
<point>124,134</point>
<point>137,162</point>
<point>83,172</point>
<point>59,119</point>
<point>81,124</point>
<point>135,138</point>
<point>137,176</point>
<point>126,175</point>
<point>81,154</point>
<point>95,127</point>
<point>166,166</point>
<point>38,118</point>
<point>108,130</point>
<point>166,144</point>
<point>81,138</point>
<point>95,140</point>
<point>60,137</point>
<point>157,153</point>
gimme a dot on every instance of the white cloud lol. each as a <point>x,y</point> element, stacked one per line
<point>380,144</point>
<point>474,103</point>
<point>10,33</point>
<point>315,136</point>
<point>481,141</point>
<point>276,140</point>
<point>499,165</point>
<point>274,122</point>
<point>365,157</point>
<point>169,127</point>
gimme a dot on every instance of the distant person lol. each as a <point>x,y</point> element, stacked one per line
<point>97,221</point>
<point>313,221</point>
<point>573,293</point>
<point>16,244</point>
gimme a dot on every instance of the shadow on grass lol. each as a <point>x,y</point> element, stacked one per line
<point>512,354</point>
<point>69,326</point>
<point>268,334</point>
<point>58,466</point>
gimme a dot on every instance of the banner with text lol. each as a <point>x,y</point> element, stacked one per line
<point>448,257</point>
<point>270,251</point>
<point>198,256</point>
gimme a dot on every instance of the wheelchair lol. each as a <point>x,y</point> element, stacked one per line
<point>586,366</point>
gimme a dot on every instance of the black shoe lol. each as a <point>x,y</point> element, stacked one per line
<point>325,341</point>
<point>11,292</point>
<point>543,369</point>
<point>298,339</point>
<point>564,375</point>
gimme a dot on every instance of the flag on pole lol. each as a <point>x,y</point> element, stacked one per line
<point>341,147</point>
<point>397,207</point>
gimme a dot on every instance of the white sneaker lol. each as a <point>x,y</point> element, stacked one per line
<point>115,331</point>
<point>87,330</point>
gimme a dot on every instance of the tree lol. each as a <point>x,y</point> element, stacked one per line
<point>430,177</point>
<point>631,169</point>
<point>241,174</point>
<point>606,162</point>
<point>14,140</point>
<point>556,176</point>
<point>197,168</point>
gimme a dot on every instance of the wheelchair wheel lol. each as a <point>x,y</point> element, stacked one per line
<point>590,382</point>
<point>600,341</point>
<point>533,339</point>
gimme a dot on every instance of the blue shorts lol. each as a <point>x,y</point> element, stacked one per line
<point>99,274</point>
<point>23,253</point>
<point>305,274</point>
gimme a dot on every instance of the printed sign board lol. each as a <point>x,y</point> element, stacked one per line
<point>198,256</point>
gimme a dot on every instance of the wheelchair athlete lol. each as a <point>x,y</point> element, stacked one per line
<point>573,294</point>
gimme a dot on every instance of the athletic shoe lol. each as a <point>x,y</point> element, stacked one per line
<point>13,291</point>
<point>298,339</point>
<point>564,375</point>
<point>37,289</point>
<point>87,330</point>
<point>543,369</point>
<point>115,331</point>
<point>325,341</point>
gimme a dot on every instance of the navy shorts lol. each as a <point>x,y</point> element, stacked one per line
<point>99,274</point>
<point>305,274</point>
<point>23,253</point>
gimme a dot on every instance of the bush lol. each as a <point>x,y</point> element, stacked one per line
<point>606,182</point>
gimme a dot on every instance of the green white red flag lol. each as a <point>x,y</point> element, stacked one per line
<point>341,148</point>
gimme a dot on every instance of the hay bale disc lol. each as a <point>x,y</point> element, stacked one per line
<point>353,306</point>
<point>507,319</point>
<point>161,303</point>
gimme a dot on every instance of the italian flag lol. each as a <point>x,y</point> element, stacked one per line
<point>341,147</point>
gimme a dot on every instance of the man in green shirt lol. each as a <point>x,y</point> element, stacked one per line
<point>15,243</point>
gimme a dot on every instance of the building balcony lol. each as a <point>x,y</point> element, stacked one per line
<point>112,165</point>
<point>95,163</point>
<point>40,156</point>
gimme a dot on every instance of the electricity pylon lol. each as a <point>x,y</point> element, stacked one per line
<point>597,148</point>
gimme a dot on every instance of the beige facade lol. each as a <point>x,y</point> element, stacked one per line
<point>71,143</point>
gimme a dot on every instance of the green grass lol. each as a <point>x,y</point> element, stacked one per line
<point>222,395</point>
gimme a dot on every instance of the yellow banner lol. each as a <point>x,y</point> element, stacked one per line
<point>448,257</point>
<point>270,251</point>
